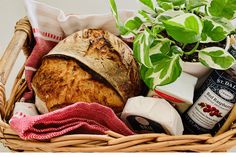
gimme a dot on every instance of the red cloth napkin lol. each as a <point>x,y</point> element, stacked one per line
<point>42,47</point>
<point>81,117</point>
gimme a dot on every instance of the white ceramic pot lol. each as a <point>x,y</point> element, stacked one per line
<point>196,69</point>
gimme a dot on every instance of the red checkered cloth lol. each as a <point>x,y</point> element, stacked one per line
<point>89,118</point>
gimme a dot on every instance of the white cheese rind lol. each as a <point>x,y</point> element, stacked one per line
<point>182,90</point>
<point>155,109</point>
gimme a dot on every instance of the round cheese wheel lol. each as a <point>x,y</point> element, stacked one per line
<point>146,114</point>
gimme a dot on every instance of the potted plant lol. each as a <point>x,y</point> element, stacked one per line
<point>172,35</point>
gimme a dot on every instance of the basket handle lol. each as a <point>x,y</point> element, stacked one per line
<point>20,40</point>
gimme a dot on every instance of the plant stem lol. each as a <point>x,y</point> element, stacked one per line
<point>159,36</point>
<point>134,33</point>
<point>193,50</point>
<point>205,7</point>
<point>164,39</point>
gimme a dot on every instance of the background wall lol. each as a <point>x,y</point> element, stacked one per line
<point>13,10</point>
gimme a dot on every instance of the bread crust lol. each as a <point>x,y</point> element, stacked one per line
<point>91,66</point>
<point>60,82</point>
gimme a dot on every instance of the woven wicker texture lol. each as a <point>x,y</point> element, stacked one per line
<point>112,142</point>
<point>24,25</point>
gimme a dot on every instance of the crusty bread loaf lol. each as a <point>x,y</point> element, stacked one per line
<point>60,82</point>
<point>90,66</point>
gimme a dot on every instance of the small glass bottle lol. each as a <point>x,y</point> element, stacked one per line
<point>213,101</point>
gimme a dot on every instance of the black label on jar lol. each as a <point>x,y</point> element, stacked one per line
<point>144,125</point>
<point>213,101</point>
<point>232,50</point>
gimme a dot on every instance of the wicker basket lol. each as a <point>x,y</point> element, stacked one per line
<point>112,142</point>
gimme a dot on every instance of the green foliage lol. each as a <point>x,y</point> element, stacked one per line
<point>184,28</point>
<point>163,72</point>
<point>215,29</point>
<point>216,57</point>
<point>174,2</point>
<point>223,8</point>
<point>166,27</point>
<point>191,4</point>
<point>166,5</point>
<point>141,48</point>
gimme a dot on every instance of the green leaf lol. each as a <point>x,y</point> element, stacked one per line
<point>141,48</point>
<point>166,70</point>
<point>223,8</point>
<point>227,24</point>
<point>186,28</point>
<point>166,5</point>
<point>193,24</point>
<point>132,27</point>
<point>216,58</point>
<point>151,4</point>
<point>162,46</point>
<point>155,58</point>
<point>148,82</point>
<point>119,24</point>
<point>133,23</point>
<point>215,29</point>
<point>156,29</point>
<point>146,18</point>
<point>191,4</point>
<point>115,12</point>
<point>155,47</point>
<point>174,2</point>
<point>165,48</point>
<point>175,50</point>
<point>169,14</point>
